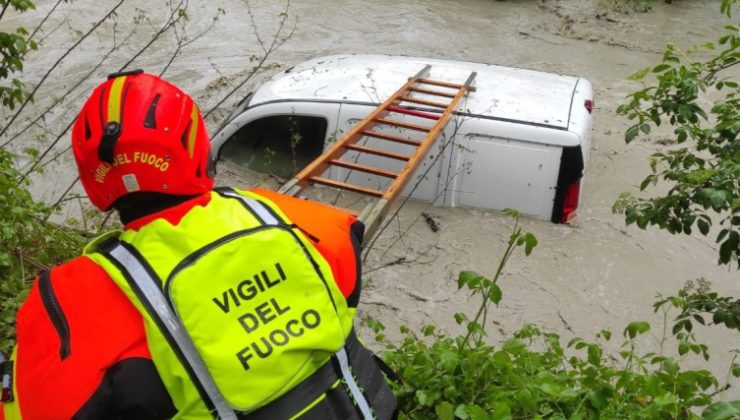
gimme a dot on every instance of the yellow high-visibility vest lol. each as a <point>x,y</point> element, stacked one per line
<point>239,307</point>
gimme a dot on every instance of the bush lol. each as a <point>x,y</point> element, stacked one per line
<point>28,244</point>
<point>533,375</point>
<point>702,174</point>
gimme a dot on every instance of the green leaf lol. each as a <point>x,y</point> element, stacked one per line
<point>736,370</point>
<point>423,397</point>
<point>468,278</point>
<point>501,411</point>
<point>729,246</point>
<point>531,242</point>
<point>550,388</point>
<point>599,397</point>
<point>461,412</point>
<point>665,399</point>
<point>631,133</point>
<point>716,197</point>
<point>525,398</point>
<point>445,411</point>
<point>660,68</point>
<point>511,212</point>
<point>594,354</point>
<point>683,347</point>
<point>639,75</point>
<point>636,328</point>
<point>724,410</point>
<point>495,294</point>
<point>703,226</point>
<point>477,413</point>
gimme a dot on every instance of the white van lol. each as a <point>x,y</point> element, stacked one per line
<point>520,140</point>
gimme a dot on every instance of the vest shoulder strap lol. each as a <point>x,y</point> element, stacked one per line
<point>102,242</point>
<point>262,212</point>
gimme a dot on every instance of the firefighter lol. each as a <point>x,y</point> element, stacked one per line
<point>209,303</point>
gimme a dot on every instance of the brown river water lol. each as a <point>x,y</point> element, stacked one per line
<point>593,274</point>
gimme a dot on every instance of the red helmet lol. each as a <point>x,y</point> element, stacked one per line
<point>138,132</point>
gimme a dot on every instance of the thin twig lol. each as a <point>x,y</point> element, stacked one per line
<point>105,220</point>
<point>421,178</point>
<point>53,67</point>
<point>48,149</point>
<point>64,194</point>
<point>29,259</point>
<point>75,86</point>
<point>183,42</point>
<point>82,212</point>
<point>397,261</point>
<point>51,32</point>
<point>38,27</point>
<point>4,9</point>
<point>168,24</point>
<point>273,47</point>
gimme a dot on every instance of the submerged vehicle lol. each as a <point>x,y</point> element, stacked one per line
<point>519,140</point>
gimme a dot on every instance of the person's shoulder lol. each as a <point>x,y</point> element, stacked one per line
<point>76,280</point>
<point>293,204</point>
<point>81,268</point>
<point>80,275</point>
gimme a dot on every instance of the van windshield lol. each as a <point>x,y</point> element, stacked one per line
<point>279,145</point>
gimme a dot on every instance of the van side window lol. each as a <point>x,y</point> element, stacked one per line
<point>279,145</point>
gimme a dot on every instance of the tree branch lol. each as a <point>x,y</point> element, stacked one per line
<point>5,7</point>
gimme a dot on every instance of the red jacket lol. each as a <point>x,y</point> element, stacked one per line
<point>82,351</point>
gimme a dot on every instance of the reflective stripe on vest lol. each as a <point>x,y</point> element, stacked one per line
<point>148,289</point>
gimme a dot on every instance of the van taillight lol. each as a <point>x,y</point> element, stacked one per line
<point>570,202</point>
<point>589,104</point>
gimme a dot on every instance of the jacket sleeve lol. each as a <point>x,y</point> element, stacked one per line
<point>82,350</point>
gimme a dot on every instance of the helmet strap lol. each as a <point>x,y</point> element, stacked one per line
<point>108,143</point>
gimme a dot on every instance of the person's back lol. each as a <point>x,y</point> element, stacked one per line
<point>246,298</point>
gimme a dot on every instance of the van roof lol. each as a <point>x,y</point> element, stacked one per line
<point>505,93</point>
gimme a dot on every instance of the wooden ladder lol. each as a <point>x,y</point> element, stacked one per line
<point>401,102</point>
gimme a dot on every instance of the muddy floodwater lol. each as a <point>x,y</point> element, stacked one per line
<point>593,274</point>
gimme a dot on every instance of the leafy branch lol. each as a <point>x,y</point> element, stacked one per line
<point>703,172</point>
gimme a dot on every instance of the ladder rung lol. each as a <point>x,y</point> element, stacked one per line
<point>403,124</point>
<point>439,83</point>
<point>413,112</point>
<point>423,102</point>
<point>346,186</point>
<point>432,92</point>
<point>391,137</point>
<point>378,152</point>
<point>364,168</point>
